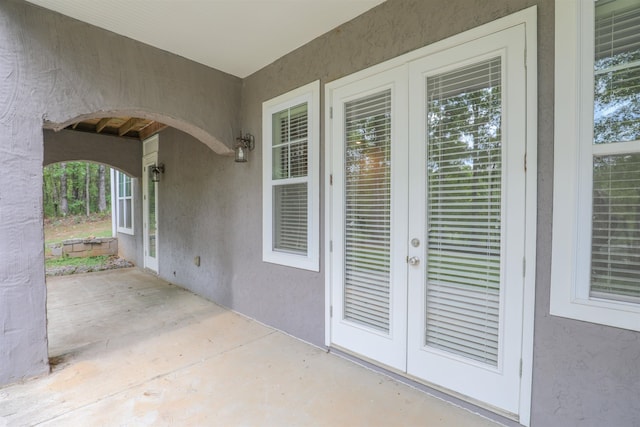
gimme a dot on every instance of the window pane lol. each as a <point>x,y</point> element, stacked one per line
<point>121,222</point>
<point>615,247</point>
<point>290,218</point>
<point>464,198</point>
<point>127,186</point>
<point>128,213</point>
<point>290,141</point>
<point>120,177</point>
<point>617,71</point>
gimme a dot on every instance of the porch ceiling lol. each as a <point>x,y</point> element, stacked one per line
<point>238,37</point>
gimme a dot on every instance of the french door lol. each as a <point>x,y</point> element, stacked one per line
<point>427,218</point>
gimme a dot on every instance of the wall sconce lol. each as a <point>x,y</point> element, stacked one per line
<point>156,170</point>
<point>244,144</point>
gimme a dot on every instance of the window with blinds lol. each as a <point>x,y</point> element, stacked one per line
<point>615,228</point>
<point>367,210</point>
<point>464,199</point>
<point>289,173</point>
<point>124,199</point>
<point>291,179</point>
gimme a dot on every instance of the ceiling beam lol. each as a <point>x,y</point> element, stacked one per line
<point>75,125</point>
<point>151,129</point>
<point>127,126</point>
<point>102,124</point>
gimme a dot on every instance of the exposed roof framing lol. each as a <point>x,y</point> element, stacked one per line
<point>126,127</point>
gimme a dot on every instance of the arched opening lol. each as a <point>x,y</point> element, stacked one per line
<point>130,145</point>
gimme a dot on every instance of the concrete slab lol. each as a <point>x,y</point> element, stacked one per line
<point>130,349</point>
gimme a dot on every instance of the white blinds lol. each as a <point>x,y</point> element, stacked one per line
<point>289,174</point>
<point>367,210</point>
<point>464,211</point>
<point>290,217</point>
<point>615,240</point>
<point>615,232</point>
<point>617,71</point>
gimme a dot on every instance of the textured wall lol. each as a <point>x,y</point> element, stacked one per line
<point>66,145</point>
<point>193,216</point>
<point>584,374</point>
<point>55,69</point>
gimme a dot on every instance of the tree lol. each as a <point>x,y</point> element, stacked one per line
<point>74,188</point>
<point>64,203</point>
<point>87,194</point>
<point>102,199</point>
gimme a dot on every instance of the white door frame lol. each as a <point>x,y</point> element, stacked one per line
<point>528,17</point>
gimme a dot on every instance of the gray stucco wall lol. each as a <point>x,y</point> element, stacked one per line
<point>130,246</point>
<point>56,69</point>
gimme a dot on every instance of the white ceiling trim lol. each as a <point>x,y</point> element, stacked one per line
<point>238,37</point>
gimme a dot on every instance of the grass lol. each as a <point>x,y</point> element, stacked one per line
<point>65,261</point>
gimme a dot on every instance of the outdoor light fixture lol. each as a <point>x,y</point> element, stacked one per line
<point>244,144</point>
<point>156,170</point>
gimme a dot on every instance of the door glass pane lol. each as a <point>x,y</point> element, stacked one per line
<point>367,210</point>
<point>151,220</point>
<point>464,162</point>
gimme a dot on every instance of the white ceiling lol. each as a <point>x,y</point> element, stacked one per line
<point>235,36</point>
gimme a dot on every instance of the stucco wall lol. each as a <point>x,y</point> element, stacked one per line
<point>120,153</point>
<point>54,69</point>
<point>584,374</point>
<point>130,245</point>
<point>193,216</point>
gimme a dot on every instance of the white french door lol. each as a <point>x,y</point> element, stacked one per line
<point>150,212</point>
<point>368,205</point>
<point>428,217</point>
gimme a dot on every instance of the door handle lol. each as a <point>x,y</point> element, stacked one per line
<point>414,260</point>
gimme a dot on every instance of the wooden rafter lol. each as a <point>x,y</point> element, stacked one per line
<point>151,129</point>
<point>127,126</point>
<point>102,124</point>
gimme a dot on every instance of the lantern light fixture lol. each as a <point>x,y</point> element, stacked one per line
<point>244,144</point>
<point>156,170</point>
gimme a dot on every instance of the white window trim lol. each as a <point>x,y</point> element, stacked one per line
<point>119,229</point>
<point>310,94</point>
<point>570,266</point>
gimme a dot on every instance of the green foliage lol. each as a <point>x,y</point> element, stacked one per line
<point>76,174</point>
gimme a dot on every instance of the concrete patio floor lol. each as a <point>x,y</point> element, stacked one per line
<point>129,349</point>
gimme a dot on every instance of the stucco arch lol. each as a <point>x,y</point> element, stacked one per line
<point>120,153</point>
<point>185,126</point>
